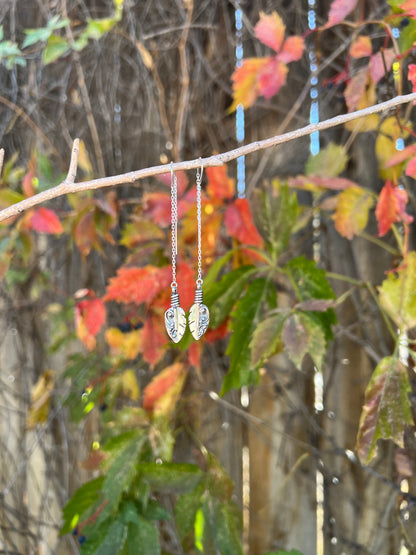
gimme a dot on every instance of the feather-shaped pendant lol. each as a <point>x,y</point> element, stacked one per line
<point>198,316</point>
<point>175,319</point>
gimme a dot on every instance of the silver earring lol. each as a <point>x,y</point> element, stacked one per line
<point>175,320</point>
<point>199,313</point>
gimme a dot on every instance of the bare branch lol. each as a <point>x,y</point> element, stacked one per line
<point>216,160</point>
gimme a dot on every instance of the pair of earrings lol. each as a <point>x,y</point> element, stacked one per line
<point>175,319</point>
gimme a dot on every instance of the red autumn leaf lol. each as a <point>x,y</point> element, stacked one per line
<point>356,88</point>
<point>194,354</point>
<point>89,319</point>
<point>412,76</point>
<point>338,11</point>
<point>400,156</point>
<point>411,168</point>
<point>219,186</point>
<point>409,7</point>
<point>361,47</point>
<point>272,77</point>
<point>162,384</point>
<point>153,338</point>
<point>380,64</point>
<point>138,285</point>
<point>314,182</point>
<point>181,179</point>
<point>44,220</point>
<point>239,223</point>
<point>270,30</point>
<point>157,206</point>
<point>219,333</point>
<point>391,208</point>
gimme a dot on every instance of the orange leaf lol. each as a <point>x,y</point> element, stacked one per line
<point>351,214</point>
<point>27,183</point>
<point>391,208</point>
<point>138,285</point>
<point>85,233</point>
<point>44,220</point>
<point>292,50</point>
<point>380,64</point>
<point>162,393</point>
<point>409,7</point>
<point>239,223</point>
<point>219,186</point>
<point>89,319</point>
<point>270,30</point>
<point>338,11</point>
<point>153,338</point>
<point>361,47</point>
<point>181,178</point>
<point>246,83</point>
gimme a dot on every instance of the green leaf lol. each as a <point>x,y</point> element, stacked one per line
<point>329,162</point>
<point>302,334</point>
<point>398,293</point>
<point>386,410</point>
<point>106,539</point>
<point>80,502</point>
<point>120,475</point>
<point>275,212</point>
<point>186,509</point>
<point>96,28</point>
<point>280,552</point>
<point>227,536</point>
<point>243,322</point>
<point>55,48</point>
<point>170,477</point>
<point>216,268</point>
<point>309,282</point>
<point>266,340</point>
<point>222,295</point>
<point>142,535</point>
<point>9,197</point>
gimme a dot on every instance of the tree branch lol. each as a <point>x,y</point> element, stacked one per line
<point>68,185</point>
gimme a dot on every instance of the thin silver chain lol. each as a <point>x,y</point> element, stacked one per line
<point>174,221</point>
<point>198,214</point>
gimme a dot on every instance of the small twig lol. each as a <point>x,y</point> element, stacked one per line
<point>73,165</point>
<point>211,161</point>
<point>184,92</point>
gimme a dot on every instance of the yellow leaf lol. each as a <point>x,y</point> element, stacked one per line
<point>126,345</point>
<point>84,161</point>
<point>351,214</point>
<point>40,400</point>
<point>388,134</point>
<point>369,123</point>
<point>129,384</point>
